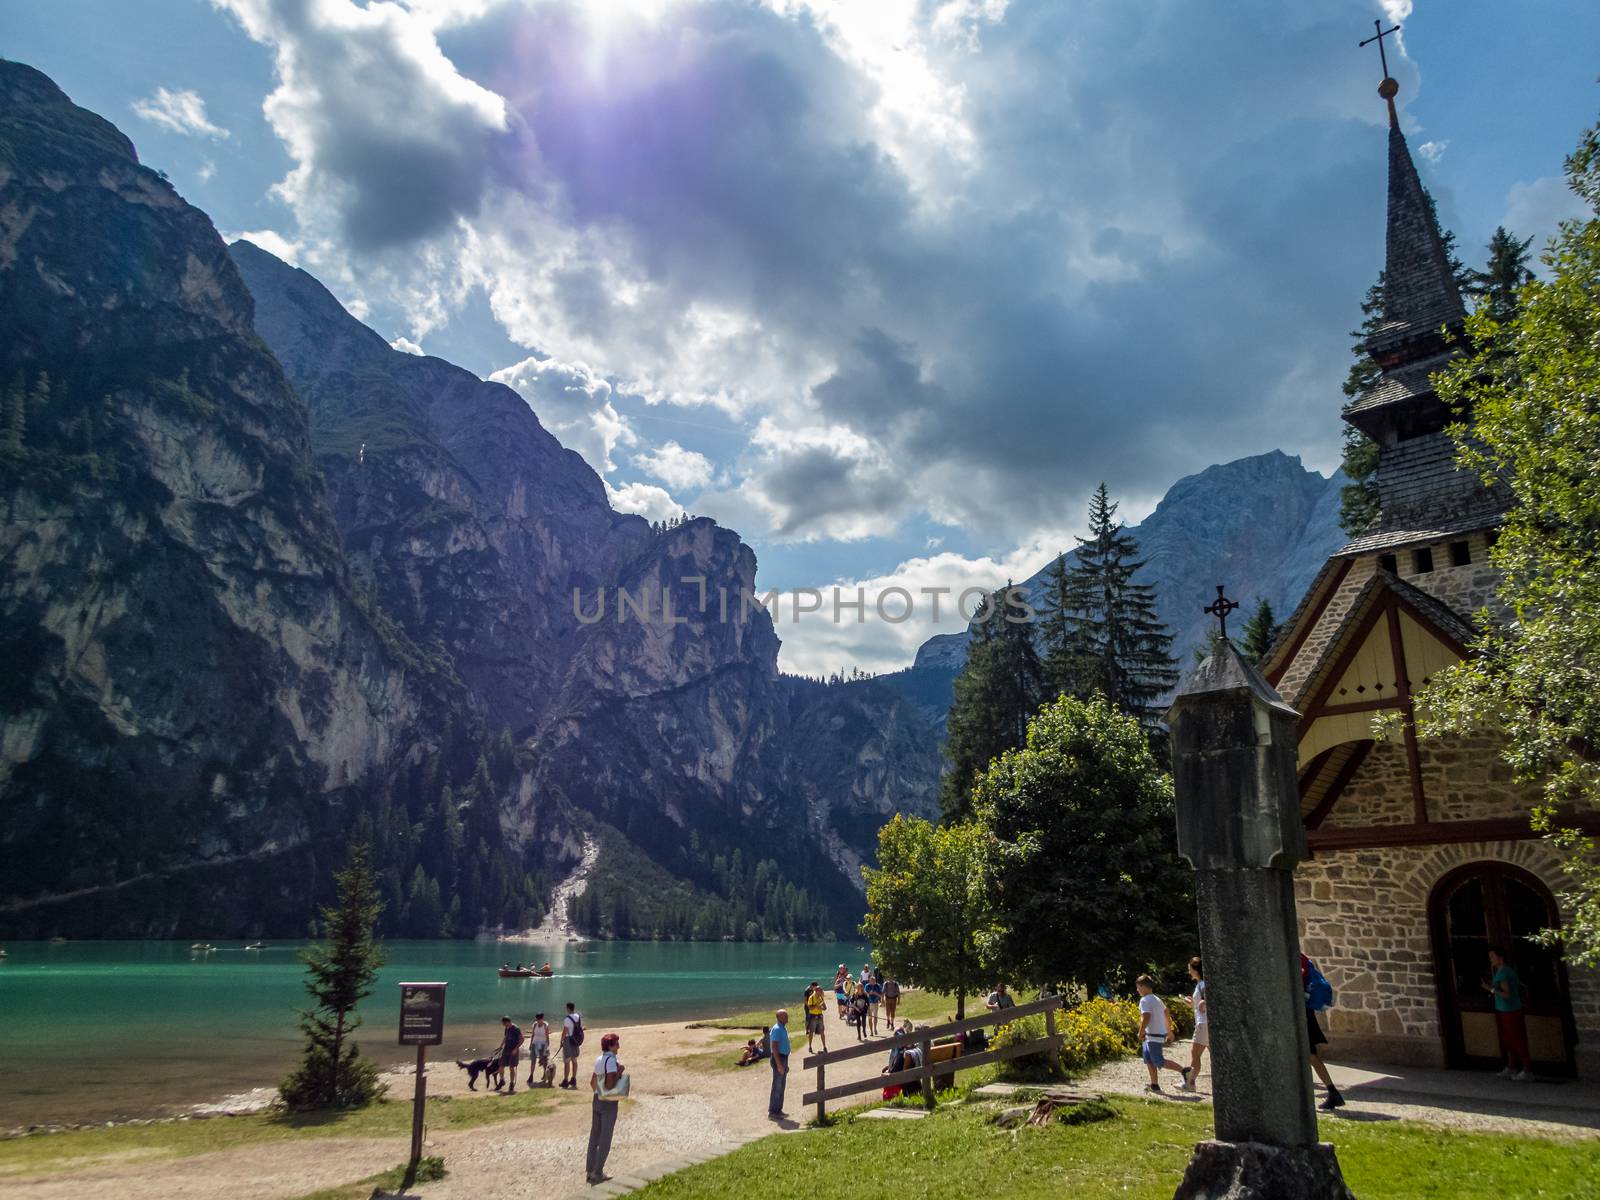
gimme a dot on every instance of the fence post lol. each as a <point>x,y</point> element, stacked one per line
<point>1054,1057</point>
<point>822,1083</point>
<point>927,1073</point>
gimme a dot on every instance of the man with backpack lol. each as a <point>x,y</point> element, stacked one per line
<point>1319,996</point>
<point>571,1043</point>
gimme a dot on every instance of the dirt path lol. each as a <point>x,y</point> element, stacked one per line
<point>687,1098</point>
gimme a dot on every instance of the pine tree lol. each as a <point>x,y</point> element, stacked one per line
<point>1506,274</point>
<point>1123,649</point>
<point>1358,502</point>
<point>1063,667</point>
<point>16,415</point>
<point>998,690</point>
<point>1260,631</point>
<point>340,974</point>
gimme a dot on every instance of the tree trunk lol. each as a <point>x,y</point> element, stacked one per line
<point>338,1046</point>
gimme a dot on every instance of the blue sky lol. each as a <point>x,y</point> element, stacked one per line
<point>888,287</point>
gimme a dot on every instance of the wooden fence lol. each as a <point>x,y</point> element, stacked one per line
<point>923,1039</point>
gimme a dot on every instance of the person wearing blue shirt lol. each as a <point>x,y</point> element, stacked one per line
<point>780,1063</point>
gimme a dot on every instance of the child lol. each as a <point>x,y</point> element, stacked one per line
<point>1155,1031</point>
<point>1202,1024</point>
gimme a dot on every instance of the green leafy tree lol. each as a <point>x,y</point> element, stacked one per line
<point>1082,856</point>
<point>1530,399</point>
<point>1117,646</point>
<point>340,972</point>
<point>929,915</point>
<point>1260,631</point>
<point>1499,284</point>
<point>998,690</point>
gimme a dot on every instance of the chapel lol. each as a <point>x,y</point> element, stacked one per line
<point>1421,854</point>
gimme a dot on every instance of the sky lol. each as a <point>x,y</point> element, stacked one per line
<point>888,286</point>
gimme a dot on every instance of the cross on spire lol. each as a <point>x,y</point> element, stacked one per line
<point>1378,37</point>
<point>1220,608</point>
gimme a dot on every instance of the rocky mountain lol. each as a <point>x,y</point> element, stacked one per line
<point>1262,525</point>
<point>201,702</point>
<point>272,586</point>
<point>621,656</point>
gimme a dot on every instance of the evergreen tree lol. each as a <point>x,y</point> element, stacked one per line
<point>1063,667</point>
<point>1506,274</point>
<point>996,693</point>
<point>1122,649</point>
<point>340,974</point>
<point>1260,631</point>
<point>16,415</point>
<point>1358,502</point>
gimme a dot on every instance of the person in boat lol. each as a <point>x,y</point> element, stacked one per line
<point>519,965</point>
<point>545,970</point>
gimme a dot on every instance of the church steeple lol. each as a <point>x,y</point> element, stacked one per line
<point>1421,303</point>
<point>1419,289</point>
<point>1423,496</point>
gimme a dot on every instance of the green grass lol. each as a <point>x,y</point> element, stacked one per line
<point>1141,1153</point>
<point>429,1170</point>
<point>723,1052</point>
<point>48,1152</point>
<point>925,1008</point>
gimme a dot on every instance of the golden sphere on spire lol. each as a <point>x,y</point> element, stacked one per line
<point>1389,89</point>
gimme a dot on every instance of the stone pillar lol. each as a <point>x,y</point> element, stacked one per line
<point>1239,827</point>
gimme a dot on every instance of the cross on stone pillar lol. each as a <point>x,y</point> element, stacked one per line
<point>1238,807</point>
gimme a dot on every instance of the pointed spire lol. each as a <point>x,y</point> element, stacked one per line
<point>1419,288</point>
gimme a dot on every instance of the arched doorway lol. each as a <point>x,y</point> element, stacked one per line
<point>1496,904</point>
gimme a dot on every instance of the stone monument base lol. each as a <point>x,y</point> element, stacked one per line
<point>1255,1171</point>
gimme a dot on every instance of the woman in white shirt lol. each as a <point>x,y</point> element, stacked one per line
<point>603,1111</point>
<point>1202,1026</point>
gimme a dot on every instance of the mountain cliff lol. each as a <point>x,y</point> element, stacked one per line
<point>621,656</point>
<point>1262,525</point>
<point>201,702</point>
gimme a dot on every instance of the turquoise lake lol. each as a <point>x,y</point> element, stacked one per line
<point>97,1031</point>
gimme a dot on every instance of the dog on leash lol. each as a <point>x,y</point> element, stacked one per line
<point>490,1068</point>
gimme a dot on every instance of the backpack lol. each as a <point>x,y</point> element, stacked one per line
<point>1319,992</point>
<point>577,1031</point>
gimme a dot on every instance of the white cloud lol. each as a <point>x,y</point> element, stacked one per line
<point>181,112</point>
<point>407,346</point>
<point>367,104</point>
<point>272,242</point>
<point>676,467</point>
<point>645,499</point>
<point>1433,151</point>
<point>575,404</point>
<point>821,642</point>
<point>1537,208</point>
<point>206,171</point>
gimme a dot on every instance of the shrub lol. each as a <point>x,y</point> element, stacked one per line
<point>1093,1032</point>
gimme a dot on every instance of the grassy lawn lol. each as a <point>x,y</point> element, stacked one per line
<point>1140,1153</point>
<point>45,1152</point>
<point>925,1008</point>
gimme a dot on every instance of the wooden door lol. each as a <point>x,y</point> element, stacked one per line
<point>1495,904</point>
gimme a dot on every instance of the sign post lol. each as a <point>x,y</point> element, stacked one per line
<point>421,1025</point>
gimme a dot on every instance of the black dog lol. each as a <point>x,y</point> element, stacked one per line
<point>489,1068</point>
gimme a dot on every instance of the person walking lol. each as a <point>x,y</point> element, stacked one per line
<point>1316,1037</point>
<point>1507,988</point>
<point>780,1064</point>
<point>874,989</point>
<point>1155,1031</point>
<point>603,1107</point>
<point>571,1040</point>
<point>858,1012</point>
<point>1000,999</point>
<point>891,999</point>
<point>841,990</point>
<point>510,1052</point>
<point>539,1049</point>
<point>1202,1025</point>
<point>816,1005</point>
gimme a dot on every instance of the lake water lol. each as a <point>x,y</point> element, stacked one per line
<point>96,1031</point>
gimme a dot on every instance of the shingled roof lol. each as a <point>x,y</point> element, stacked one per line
<point>1419,289</point>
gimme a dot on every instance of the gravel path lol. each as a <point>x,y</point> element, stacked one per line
<point>1453,1099</point>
